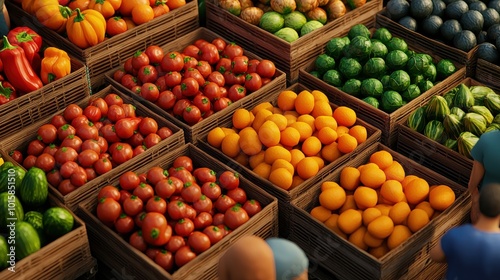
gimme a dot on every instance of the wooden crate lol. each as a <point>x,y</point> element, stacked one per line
<point>384,121</point>
<point>195,132</point>
<point>20,140</point>
<point>432,154</point>
<point>289,57</point>
<point>434,47</point>
<point>31,107</point>
<point>410,260</point>
<point>285,196</point>
<point>115,50</point>
<point>128,261</point>
<point>488,73</point>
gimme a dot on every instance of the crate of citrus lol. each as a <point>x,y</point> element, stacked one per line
<point>377,217</point>
<point>290,139</point>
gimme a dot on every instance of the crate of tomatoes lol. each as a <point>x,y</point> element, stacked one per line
<point>196,80</point>
<point>174,217</point>
<point>34,72</point>
<point>91,141</point>
<point>113,28</point>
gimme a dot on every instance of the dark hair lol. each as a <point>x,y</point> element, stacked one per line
<point>489,200</point>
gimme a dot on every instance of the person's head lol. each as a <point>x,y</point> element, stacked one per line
<point>489,201</point>
<point>291,261</point>
<point>249,258</point>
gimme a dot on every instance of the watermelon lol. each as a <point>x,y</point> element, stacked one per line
<point>416,120</point>
<point>475,123</point>
<point>464,99</point>
<point>27,240</point>
<point>57,221</point>
<point>437,108</point>
<point>465,142</point>
<point>4,250</point>
<point>492,102</point>
<point>451,144</point>
<point>6,213</point>
<point>458,112</point>
<point>35,219</point>
<point>491,127</point>
<point>453,126</point>
<point>34,188</point>
<point>435,131</point>
<point>483,111</point>
<point>14,175</point>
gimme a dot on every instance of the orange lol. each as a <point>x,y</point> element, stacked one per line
<point>392,191</point>
<point>327,135</point>
<point>365,197</point>
<point>417,219</point>
<point>384,208</point>
<point>142,14</point>
<point>398,236</point>
<point>399,212</point>
<point>349,178</point>
<point>127,6</point>
<point>296,181</point>
<point>347,143</point>
<point>349,221</point>
<point>357,238</point>
<point>331,152</point>
<point>228,130</point>
<point>321,108</point>
<point>304,103</point>
<point>441,197</point>
<point>307,119</point>
<point>303,128</point>
<point>254,160</point>
<point>260,118</point>
<point>242,159</point>
<point>395,171</point>
<point>262,106</point>
<point>290,119</point>
<point>325,121</point>
<point>382,158</point>
<point>328,185</point>
<point>381,227</point>
<point>269,134</point>
<point>174,4</point>
<point>215,137</point>
<point>319,96</point>
<point>311,146</point>
<point>249,141</point>
<point>372,241</point>
<point>345,116</point>
<point>281,178</point>
<point>297,155</point>
<point>407,179</point>
<point>319,161</point>
<point>416,191</point>
<point>320,213</point>
<point>370,214</point>
<point>342,130</point>
<point>331,223</point>
<point>307,168</point>
<point>290,137</point>
<point>263,170</point>
<point>348,204</point>
<point>241,118</point>
<point>332,198</point>
<point>276,152</point>
<point>359,132</point>
<point>277,110</point>
<point>230,145</point>
<point>368,165</point>
<point>281,163</point>
<point>372,177</point>
<point>286,100</point>
<point>426,206</point>
<point>380,251</point>
<point>279,120</point>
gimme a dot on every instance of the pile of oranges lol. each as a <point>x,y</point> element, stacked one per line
<point>291,141</point>
<point>376,206</point>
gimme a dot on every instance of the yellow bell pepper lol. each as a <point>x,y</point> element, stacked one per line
<point>1,161</point>
<point>55,65</point>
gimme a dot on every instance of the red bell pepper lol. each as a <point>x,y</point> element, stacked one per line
<point>27,39</point>
<point>18,69</point>
<point>7,92</point>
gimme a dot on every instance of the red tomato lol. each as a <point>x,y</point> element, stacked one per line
<point>235,217</point>
<point>220,44</point>
<point>252,207</point>
<point>79,177</point>
<point>253,82</point>
<point>123,153</point>
<point>72,111</point>
<point>204,68</point>
<point>211,91</point>
<point>154,228</point>
<point>184,255</point>
<point>65,187</point>
<point>190,213</point>
<point>102,166</point>
<point>173,78</point>
<point>165,188</point>
<point>209,53</point>
<point>129,110</point>
<point>223,65</point>
<point>151,140</point>
<point>150,91</point>
<point>115,113</point>
<point>164,132</point>
<point>189,87</point>
<point>223,203</point>
<point>252,65</point>
<point>202,103</point>
<point>189,62</point>
<point>129,81</point>
<point>45,161</point>
<point>156,204</point>
<point>177,91</point>
<point>148,126</point>
<point>87,158</point>
<point>47,133</point>
<point>221,104</point>
<point>218,219</point>
<point>160,83</point>
<point>203,220</point>
<point>214,233</point>
<point>229,180</point>
<point>58,121</point>
<point>91,144</point>
<point>118,74</point>
<point>91,174</point>
<point>108,133</point>
<point>155,174</point>
<point>126,127</point>
<point>17,156</point>
<point>166,100</point>
<point>181,173</point>
<point>217,78</point>
<point>172,61</point>
<point>103,144</point>
<point>204,174</point>
<point>35,147</point>
<point>178,184</point>
<point>139,150</point>
<point>236,92</point>
<point>191,192</point>
<point>191,115</point>
<point>154,53</point>
<point>136,140</point>
<point>29,162</point>
<point>195,74</point>
<point>211,190</point>
<point>68,168</point>
<point>115,25</point>
<point>127,66</point>
<point>165,259</point>
<point>87,131</point>
<point>129,180</point>
<point>184,227</point>
<point>180,106</point>
<point>183,161</point>
<point>109,191</point>
<point>238,194</point>
<point>108,210</point>
<point>139,59</point>
<point>144,191</point>
<point>152,252</point>
<point>266,69</point>
<point>76,122</point>
<point>232,50</point>
<point>223,92</point>
<point>175,243</point>
<point>192,51</point>
<point>139,218</point>
<point>65,154</point>
<point>136,89</point>
<point>199,242</point>
<point>176,209</point>
<point>239,64</point>
<point>54,177</point>
<point>92,113</point>
<point>124,224</point>
<point>124,195</point>
<point>137,241</point>
<point>113,99</point>
<point>132,205</point>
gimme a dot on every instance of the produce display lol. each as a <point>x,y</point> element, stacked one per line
<point>462,24</point>
<point>86,23</point>
<point>291,141</point>
<point>23,202</point>
<point>377,206</point>
<point>174,214</point>
<point>289,19</point>
<point>26,65</point>
<point>83,143</point>
<point>203,78</point>
<point>378,68</point>
<point>459,117</point>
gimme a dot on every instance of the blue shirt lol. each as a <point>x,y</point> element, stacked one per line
<point>471,254</point>
<point>487,152</point>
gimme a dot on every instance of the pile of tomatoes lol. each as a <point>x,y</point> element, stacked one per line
<point>81,144</point>
<point>174,214</point>
<point>205,77</point>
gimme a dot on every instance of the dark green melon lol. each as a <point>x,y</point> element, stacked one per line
<point>490,16</point>
<point>450,28</point>
<point>493,32</point>
<point>494,4</point>
<point>409,23</point>
<point>431,25</point>
<point>488,52</point>
<point>482,37</point>
<point>465,40</point>
<point>469,2</point>
<point>456,9</point>
<point>438,7</point>
<point>473,21</point>
<point>397,9</point>
<point>478,6</point>
<point>420,9</point>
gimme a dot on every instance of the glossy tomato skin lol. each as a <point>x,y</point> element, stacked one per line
<point>47,133</point>
<point>184,227</point>
<point>239,64</point>
<point>156,204</point>
<point>72,111</point>
<point>235,216</point>
<point>232,50</point>
<point>58,121</point>
<point>87,158</point>
<point>148,126</point>
<point>144,191</point>
<point>180,106</point>
<point>154,53</point>
<point>118,74</point>
<point>91,144</point>
<point>101,104</point>
<point>175,243</point>
<point>252,207</point>
<point>189,87</point>
<point>108,133</point>
<point>203,220</point>
<point>172,61</point>
<point>203,204</point>
<point>35,147</point>
<point>236,92</point>
<point>192,51</point>
<point>129,110</point>
<point>124,224</point>
<point>252,65</point>
<point>103,144</point>
<point>29,162</point>
<point>176,209</point>
<point>266,69</point>
<point>152,252</point>
<point>164,132</point>
<point>80,120</point>
<point>217,78</point>
<point>191,192</point>
<point>212,91</point>
<point>209,53</point>
<point>223,65</point>
<point>173,78</point>
<point>132,205</point>
<point>137,241</point>
<point>108,210</point>
<point>129,181</point>
<point>220,44</point>
<point>87,131</point>
<point>189,62</point>
<point>151,140</point>
<point>54,177</point>
<point>229,180</point>
<point>139,59</point>
<point>214,233</point>
<point>92,113</point>
<point>123,153</point>
<point>139,218</point>
<point>195,74</point>
<point>51,149</point>
<point>17,156</point>
<point>182,173</point>
<point>165,188</point>
<point>155,174</point>
<point>129,81</point>
<point>184,255</point>
<point>113,99</point>
<point>166,100</point>
<point>91,174</point>
<point>124,195</point>
<point>102,166</point>
<point>155,229</point>
<point>202,103</point>
<point>161,84</point>
<point>183,161</point>
<point>127,66</point>
<point>199,242</point>
<point>253,82</point>
<point>221,104</point>
<point>223,203</point>
<point>65,154</point>
<point>65,187</point>
<point>46,162</point>
<point>150,91</point>
<point>68,168</point>
<point>238,194</point>
<point>109,191</point>
<point>211,190</point>
<point>79,177</point>
<point>115,113</point>
<point>165,260</point>
<point>204,68</point>
<point>218,219</point>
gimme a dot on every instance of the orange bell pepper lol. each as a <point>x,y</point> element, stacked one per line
<point>55,65</point>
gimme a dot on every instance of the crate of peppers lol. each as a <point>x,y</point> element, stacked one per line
<point>28,65</point>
